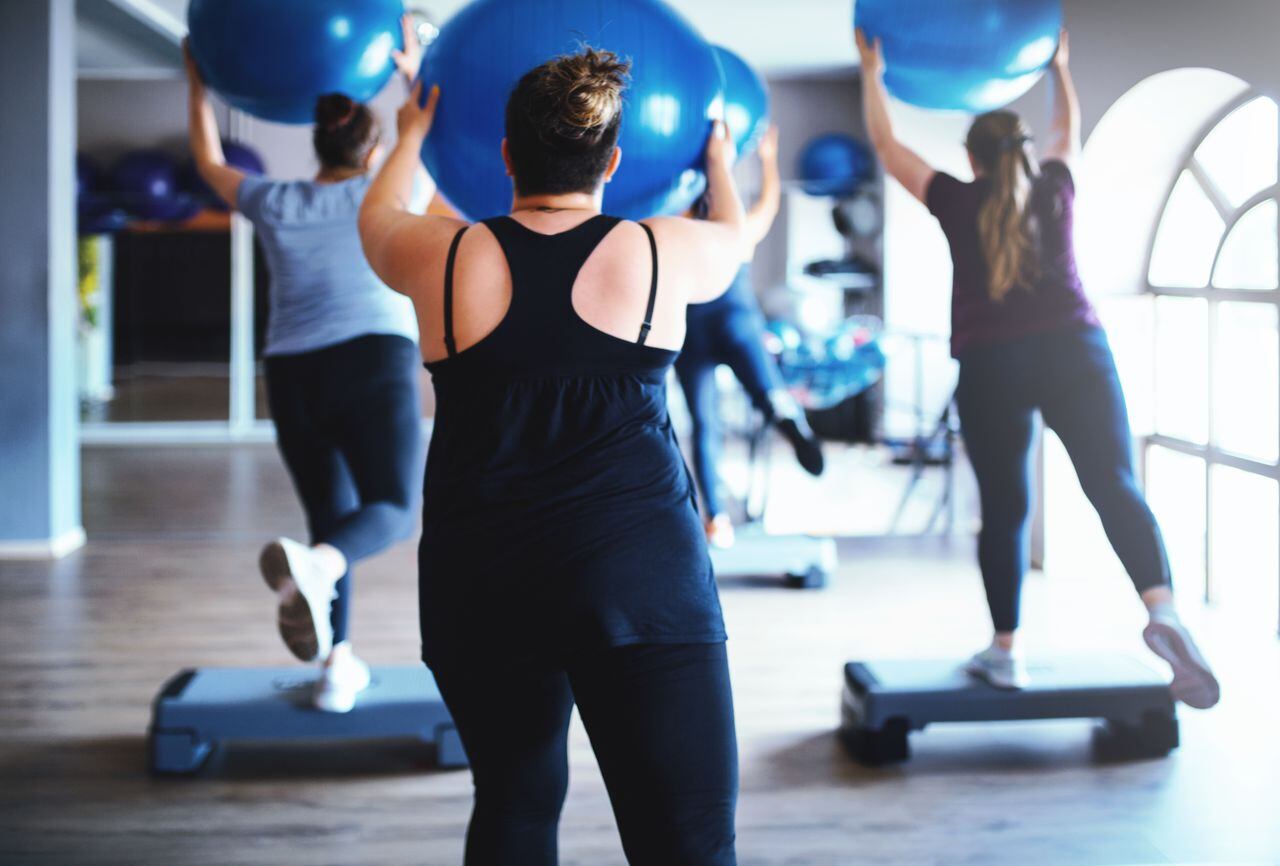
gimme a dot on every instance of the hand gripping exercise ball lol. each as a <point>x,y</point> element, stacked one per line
<point>483,51</point>
<point>272,58</point>
<point>962,55</point>
<point>746,101</point>
<point>835,164</point>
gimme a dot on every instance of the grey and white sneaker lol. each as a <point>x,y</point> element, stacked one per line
<point>305,589</point>
<point>1193,682</point>
<point>340,683</point>
<point>999,667</point>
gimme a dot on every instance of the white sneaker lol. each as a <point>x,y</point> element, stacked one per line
<point>1001,668</point>
<point>1193,682</point>
<point>306,592</point>
<point>339,683</point>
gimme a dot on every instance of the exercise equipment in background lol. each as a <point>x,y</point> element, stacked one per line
<point>824,370</point>
<point>746,101</point>
<point>962,55</point>
<point>803,561</point>
<point>198,711</point>
<point>145,184</point>
<point>237,155</point>
<point>483,50</point>
<point>273,59</point>
<point>96,213</point>
<point>884,701</point>
<point>835,165</point>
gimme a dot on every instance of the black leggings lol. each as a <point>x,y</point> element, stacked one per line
<point>1071,378</point>
<point>733,335</point>
<point>349,428</point>
<point>660,719</point>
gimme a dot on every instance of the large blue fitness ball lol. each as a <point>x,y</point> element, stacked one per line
<point>483,51</point>
<point>962,55</point>
<point>746,100</point>
<point>272,58</point>
<point>835,164</point>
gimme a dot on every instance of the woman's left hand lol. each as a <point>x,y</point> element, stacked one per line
<point>409,60</point>
<point>414,121</point>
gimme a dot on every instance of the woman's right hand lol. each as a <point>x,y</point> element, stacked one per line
<point>413,121</point>
<point>720,149</point>
<point>871,53</point>
<point>768,148</point>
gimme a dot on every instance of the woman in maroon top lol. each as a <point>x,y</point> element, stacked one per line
<point>1028,340</point>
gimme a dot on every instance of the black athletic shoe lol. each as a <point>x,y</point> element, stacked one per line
<point>808,449</point>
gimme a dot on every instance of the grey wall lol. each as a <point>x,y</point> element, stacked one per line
<point>39,470</point>
<point>802,108</point>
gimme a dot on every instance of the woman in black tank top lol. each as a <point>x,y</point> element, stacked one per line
<point>562,559</point>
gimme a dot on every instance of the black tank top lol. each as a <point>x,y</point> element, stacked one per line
<point>558,512</point>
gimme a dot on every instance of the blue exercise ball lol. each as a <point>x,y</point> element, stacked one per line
<point>145,183</point>
<point>962,55</point>
<point>237,155</point>
<point>486,47</point>
<point>272,58</point>
<point>835,165</point>
<point>746,100</point>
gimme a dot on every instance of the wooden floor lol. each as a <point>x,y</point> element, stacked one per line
<point>168,581</point>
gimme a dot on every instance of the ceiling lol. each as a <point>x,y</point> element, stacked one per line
<point>138,38</point>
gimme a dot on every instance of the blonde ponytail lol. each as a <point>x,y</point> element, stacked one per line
<point>1000,145</point>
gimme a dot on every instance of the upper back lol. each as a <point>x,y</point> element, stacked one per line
<point>323,290</point>
<point>541,291</point>
<point>957,206</point>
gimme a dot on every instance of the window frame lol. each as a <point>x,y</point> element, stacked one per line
<point>1210,453</point>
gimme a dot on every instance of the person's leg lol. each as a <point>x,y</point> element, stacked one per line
<point>998,430</point>
<point>698,382</point>
<point>741,345</point>
<point>313,582</point>
<point>379,433</point>
<point>514,725</point>
<point>660,719</point>
<point>1084,404</point>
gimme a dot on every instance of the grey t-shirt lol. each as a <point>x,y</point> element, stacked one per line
<point>323,292</point>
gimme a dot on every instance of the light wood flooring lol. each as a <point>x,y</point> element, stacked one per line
<point>168,581</point>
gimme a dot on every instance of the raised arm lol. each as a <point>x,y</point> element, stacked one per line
<point>762,214</point>
<point>703,255</point>
<point>900,161</point>
<point>398,243</point>
<point>1063,141</point>
<point>206,145</point>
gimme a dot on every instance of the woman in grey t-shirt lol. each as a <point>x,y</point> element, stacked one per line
<point>341,370</point>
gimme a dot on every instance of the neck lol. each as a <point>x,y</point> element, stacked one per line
<point>581,201</point>
<point>335,175</point>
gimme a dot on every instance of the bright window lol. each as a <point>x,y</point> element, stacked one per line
<point>1213,463</point>
<point>1249,259</point>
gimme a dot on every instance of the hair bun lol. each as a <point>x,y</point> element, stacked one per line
<point>592,83</point>
<point>334,110</point>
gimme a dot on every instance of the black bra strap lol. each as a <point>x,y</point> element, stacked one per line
<point>653,288</point>
<point>450,345</point>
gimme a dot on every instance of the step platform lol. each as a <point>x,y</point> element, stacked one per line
<point>198,710</point>
<point>886,700</point>
<point>802,561</point>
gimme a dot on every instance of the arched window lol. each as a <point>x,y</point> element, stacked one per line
<point>1213,460</point>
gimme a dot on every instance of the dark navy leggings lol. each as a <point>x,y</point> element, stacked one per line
<point>729,332</point>
<point>349,428</point>
<point>660,719</point>
<point>1070,377</point>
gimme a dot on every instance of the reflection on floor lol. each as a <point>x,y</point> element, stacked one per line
<point>158,392</point>
<point>168,580</point>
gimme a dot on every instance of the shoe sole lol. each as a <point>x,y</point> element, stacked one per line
<point>294,617</point>
<point>1193,683</point>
